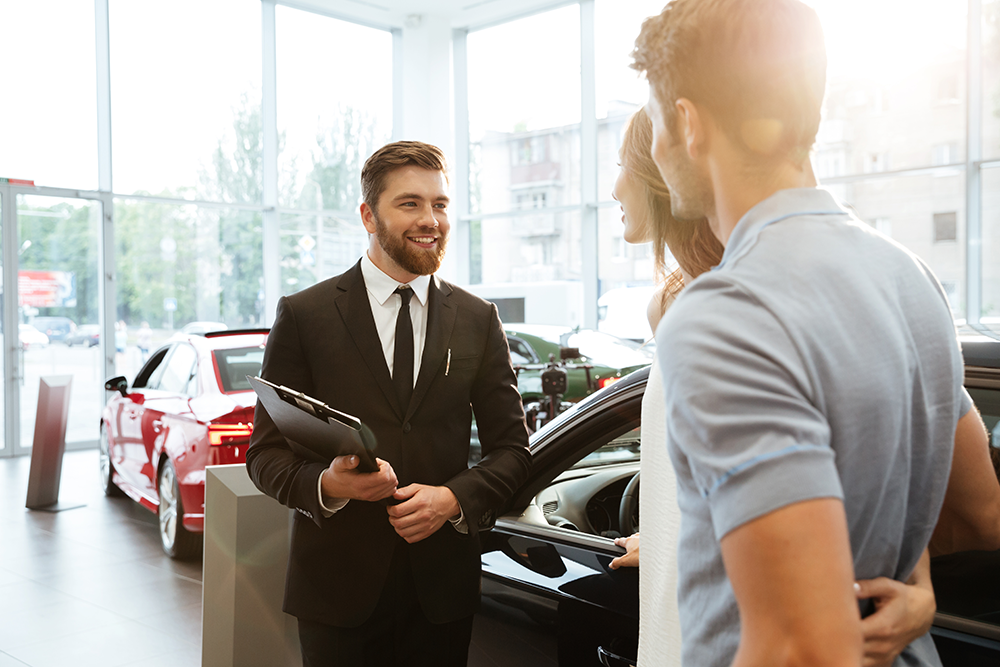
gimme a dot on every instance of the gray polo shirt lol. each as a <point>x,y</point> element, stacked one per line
<point>819,359</point>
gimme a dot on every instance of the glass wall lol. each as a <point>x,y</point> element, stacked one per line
<point>49,110</point>
<point>524,119</point>
<point>182,268</point>
<point>524,113</point>
<point>330,117</point>
<point>185,98</point>
<point>990,281</point>
<point>58,308</point>
<point>315,246</point>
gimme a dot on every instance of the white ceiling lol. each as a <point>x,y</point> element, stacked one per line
<point>394,13</point>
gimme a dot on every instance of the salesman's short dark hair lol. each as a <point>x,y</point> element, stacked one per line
<point>393,156</point>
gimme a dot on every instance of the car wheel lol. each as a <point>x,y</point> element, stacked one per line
<point>107,467</point>
<point>177,541</point>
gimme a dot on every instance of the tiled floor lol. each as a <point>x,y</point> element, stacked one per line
<point>90,586</point>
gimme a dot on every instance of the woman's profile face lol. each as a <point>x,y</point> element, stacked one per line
<point>631,194</point>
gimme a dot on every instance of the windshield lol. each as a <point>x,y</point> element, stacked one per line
<point>606,349</point>
<point>236,364</point>
<point>623,449</point>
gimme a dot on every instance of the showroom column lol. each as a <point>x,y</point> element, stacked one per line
<point>588,164</point>
<point>269,122</point>
<point>422,105</point>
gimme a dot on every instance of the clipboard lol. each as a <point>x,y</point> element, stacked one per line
<point>313,429</point>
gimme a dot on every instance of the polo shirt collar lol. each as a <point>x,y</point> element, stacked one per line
<point>382,286</point>
<point>779,206</point>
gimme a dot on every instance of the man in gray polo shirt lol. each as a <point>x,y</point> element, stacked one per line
<point>813,380</point>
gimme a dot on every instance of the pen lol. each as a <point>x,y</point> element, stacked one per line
<point>447,364</point>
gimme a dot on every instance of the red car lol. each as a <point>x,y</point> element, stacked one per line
<point>189,407</point>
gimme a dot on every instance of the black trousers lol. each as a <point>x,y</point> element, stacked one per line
<point>397,633</point>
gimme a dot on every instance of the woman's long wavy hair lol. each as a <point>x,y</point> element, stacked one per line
<point>692,243</point>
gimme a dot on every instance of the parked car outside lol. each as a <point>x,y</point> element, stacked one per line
<point>56,328</point>
<point>550,597</point>
<point>88,335</point>
<point>31,338</point>
<point>611,357</point>
<point>190,406</point>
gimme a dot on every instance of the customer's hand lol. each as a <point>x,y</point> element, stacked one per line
<point>422,510</point>
<point>631,556</point>
<point>903,612</point>
<point>341,480</point>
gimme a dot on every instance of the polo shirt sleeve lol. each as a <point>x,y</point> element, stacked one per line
<point>739,409</point>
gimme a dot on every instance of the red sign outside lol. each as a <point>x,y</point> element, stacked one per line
<point>45,289</point>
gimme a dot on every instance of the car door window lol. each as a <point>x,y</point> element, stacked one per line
<point>520,353</point>
<point>149,374</point>
<point>179,368</point>
<point>587,496</point>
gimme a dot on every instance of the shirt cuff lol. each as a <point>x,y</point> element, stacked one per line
<point>457,522</point>
<point>335,504</point>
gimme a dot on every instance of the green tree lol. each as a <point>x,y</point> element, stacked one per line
<point>235,176</point>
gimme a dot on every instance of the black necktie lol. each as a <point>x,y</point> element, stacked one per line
<point>402,358</point>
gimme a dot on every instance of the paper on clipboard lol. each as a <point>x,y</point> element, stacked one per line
<point>313,429</point>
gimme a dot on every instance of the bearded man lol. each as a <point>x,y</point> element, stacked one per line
<point>384,567</point>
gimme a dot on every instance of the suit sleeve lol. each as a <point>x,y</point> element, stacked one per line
<point>272,465</point>
<point>503,434</point>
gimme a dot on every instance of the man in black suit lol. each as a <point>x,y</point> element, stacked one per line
<point>377,583</point>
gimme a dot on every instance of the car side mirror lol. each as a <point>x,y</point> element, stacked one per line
<point>119,384</point>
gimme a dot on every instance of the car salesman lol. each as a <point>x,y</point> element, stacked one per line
<point>384,567</point>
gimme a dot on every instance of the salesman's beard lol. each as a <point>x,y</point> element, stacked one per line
<point>418,261</point>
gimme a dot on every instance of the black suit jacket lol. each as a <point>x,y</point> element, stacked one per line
<point>324,343</point>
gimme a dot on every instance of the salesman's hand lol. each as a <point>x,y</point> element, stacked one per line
<point>422,510</point>
<point>631,556</point>
<point>341,480</point>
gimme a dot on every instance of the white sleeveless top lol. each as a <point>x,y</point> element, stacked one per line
<point>660,521</point>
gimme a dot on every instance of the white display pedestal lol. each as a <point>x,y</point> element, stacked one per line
<point>246,551</point>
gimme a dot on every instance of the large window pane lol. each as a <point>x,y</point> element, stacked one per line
<point>49,111</point>
<point>331,115</point>
<point>991,248</point>
<point>316,247</point>
<point>620,90</point>
<point>991,78</point>
<point>627,279</point>
<point>925,213</point>
<point>532,266</point>
<point>895,96</point>
<point>186,98</point>
<point>57,296</point>
<point>180,265</point>
<point>524,113</point>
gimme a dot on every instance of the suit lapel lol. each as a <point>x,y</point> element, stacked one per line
<point>440,322</point>
<point>356,311</point>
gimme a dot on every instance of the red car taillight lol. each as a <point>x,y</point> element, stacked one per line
<point>604,382</point>
<point>230,434</point>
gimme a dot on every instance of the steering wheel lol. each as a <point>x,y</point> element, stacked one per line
<point>628,511</point>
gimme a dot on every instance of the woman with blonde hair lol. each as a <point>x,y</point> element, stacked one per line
<point>904,612</point>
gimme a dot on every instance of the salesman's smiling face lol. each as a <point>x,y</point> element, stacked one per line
<point>410,225</point>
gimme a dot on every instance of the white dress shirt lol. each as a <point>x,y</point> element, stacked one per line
<point>385,308</point>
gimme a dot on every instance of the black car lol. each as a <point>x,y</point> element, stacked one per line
<point>56,328</point>
<point>550,597</point>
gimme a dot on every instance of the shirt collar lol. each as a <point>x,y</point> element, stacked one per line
<point>782,204</point>
<point>382,286</point>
